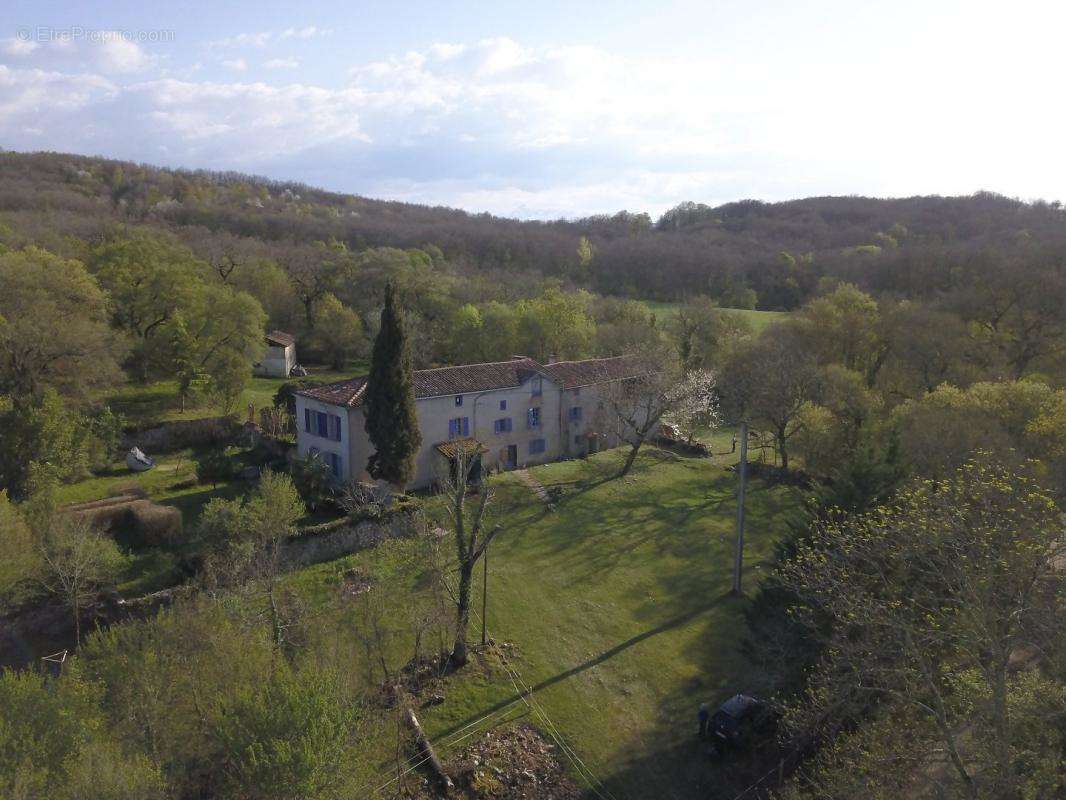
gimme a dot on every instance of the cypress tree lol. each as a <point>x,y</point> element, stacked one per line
<point>389,406</point>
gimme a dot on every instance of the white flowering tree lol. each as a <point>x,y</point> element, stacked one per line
<point>632,409</point>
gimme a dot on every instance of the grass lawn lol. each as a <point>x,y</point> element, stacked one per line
<point>158,401</point>
<point>618,609</point>
<point>757,319</point>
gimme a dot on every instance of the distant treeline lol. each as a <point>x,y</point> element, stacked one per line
<point>744,254</point>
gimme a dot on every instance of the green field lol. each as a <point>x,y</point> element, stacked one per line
<point>757,319</point>
<point>159,402</point>
<point>618,609</point>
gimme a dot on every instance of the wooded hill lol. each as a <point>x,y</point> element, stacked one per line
<point>770,255</point>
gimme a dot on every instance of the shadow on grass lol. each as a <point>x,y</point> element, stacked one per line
<point>606,655</point>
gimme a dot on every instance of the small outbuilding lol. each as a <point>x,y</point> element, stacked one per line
<point>280,355</point>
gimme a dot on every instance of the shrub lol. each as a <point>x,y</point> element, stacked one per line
<point>313,480</point>
<point>214,466</point>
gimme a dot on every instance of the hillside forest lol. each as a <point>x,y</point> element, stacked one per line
<point>901,364</point>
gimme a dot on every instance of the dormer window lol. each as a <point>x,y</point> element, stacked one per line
<point>458,400</point>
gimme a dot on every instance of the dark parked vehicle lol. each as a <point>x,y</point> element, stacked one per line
<point>738,718</point>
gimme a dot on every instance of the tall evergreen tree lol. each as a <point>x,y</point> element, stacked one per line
<point>391,421</point>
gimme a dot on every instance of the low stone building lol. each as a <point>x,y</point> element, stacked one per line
<point>280,356</point>
<point>513,413</point>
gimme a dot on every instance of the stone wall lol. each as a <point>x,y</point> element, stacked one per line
<point>179,434</point>
<point>343,537</point>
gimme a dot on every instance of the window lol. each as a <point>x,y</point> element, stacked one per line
<point>460,426</point>
<point>335,464</point>
<point>575,414</point>
<point>502,425</point>
<point>533,418</point>
<point>458,400</point>
<point>328,426</point>
<point>503,405</point>
<point>536,446</point>
<point>537,385</point>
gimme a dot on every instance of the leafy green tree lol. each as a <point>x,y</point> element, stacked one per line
<point>466,336</point>
<point>945,428</point>
<point>220,330</point>
<point>243,537</point>
<point>391,418</point>
<point>54,743</point>
<point>19,559</point>
<point>338,331</point>
<point>150,278</point>
<point>54,329</point>
<point>698,330</point>
<point>284,738</point>
<point>624,327</point>
<point>844,327</point>
<point>499,331</point>
<point>556,323</point>
<point>930,600</point>
<point>40,439</point>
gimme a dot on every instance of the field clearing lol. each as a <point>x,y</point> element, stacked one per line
<point>158,401</point>
<point>757,319</point>
<point>616,609</point>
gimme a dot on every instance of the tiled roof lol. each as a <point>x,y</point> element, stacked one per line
<point>343,393</point>
<point>468,447</point>
<point>438,382</point>
<point>470,378</point>
<point>571,374</point>
<point>280,338</point>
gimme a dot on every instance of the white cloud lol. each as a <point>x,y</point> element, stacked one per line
<point>281,63</point>
<point>18,47</point>
<point>546,131</point>
<point>109,52</point>
<point>308,32</point>
<point>263,38</point>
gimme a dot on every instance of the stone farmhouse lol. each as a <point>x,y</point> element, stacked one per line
<point>514,413</point>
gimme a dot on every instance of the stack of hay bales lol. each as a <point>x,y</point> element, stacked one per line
<point>132,518</point>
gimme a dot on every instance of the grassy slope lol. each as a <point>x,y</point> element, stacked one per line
<point>617,605</point>
<point>757,319</point>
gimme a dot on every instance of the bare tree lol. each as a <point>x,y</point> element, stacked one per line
<point>471,539</point>
<point>769,381</point>
<point>77,561</point>
<point>632,409</point>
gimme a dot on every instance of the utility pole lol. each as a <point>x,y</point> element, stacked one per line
<point>484,594</point>
<point>742,471</point>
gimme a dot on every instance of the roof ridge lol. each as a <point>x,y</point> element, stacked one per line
<point>482,364</point>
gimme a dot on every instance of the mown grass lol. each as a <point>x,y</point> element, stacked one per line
<point>159,402</point>
<point>616,604</point>
<point>757,319</point>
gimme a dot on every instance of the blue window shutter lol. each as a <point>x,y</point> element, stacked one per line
<point>453,428</point>
<point>307,420</point>
<point>466,426</point>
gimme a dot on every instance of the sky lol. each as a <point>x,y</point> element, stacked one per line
<point>553,109</point>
